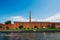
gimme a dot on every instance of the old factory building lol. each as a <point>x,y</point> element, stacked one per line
<point>30,24</point>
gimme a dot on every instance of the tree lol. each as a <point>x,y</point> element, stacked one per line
<point>8,22</point>
<point>0,27</point>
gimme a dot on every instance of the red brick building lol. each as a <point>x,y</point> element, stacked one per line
<point>30,24</point>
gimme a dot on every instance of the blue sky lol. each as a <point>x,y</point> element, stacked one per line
<point>18,10</point>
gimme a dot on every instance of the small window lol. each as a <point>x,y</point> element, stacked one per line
<point>51,26</point>
<point>7,28</point>
<point>20,27</point>
<point>35,27</point>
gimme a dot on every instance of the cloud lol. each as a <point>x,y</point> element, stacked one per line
<point>53,18</point>
<point>17,18</point>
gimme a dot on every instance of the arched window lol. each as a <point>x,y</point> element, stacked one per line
<point>35,26</point>
<point>7,28</point>
<point>42,26</point>
<point>51,26</point>
<point>21,26</point>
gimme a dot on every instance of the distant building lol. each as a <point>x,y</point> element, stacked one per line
<point>30,24</point>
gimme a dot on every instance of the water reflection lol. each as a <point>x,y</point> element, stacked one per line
<point>30,36</point>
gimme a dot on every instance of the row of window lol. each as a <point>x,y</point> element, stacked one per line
<point>21,26</point>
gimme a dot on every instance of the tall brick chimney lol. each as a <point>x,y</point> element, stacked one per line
<point>30,17</point>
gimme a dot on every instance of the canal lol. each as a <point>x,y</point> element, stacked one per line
<point>30,36</point>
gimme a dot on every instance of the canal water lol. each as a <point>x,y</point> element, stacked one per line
<point>30,36</point>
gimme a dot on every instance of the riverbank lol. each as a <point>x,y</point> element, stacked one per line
<point>32,30</point>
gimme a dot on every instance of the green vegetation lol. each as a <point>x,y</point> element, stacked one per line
<point>8,22</point>
<point>32,29</point>
<point>0,27</point>
<point>37,29</point>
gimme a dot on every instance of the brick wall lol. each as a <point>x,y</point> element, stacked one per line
<point>30,25</point>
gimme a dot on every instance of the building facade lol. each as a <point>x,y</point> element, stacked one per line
<point>30,24</point>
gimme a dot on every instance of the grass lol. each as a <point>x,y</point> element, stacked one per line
<point>43,29</point>
<point>37,29</point>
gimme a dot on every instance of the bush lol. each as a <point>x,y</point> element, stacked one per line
<point>0,27</point>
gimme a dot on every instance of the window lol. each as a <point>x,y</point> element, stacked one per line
<point>20,27</point>
<point>51,26</point>
<point>7,28</point>
<point>35,26</point>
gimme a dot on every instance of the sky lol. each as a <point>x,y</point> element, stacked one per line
<point>18,10</point>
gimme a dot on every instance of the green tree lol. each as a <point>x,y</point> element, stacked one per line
<point>0,27</point>
<point>8,22</point>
